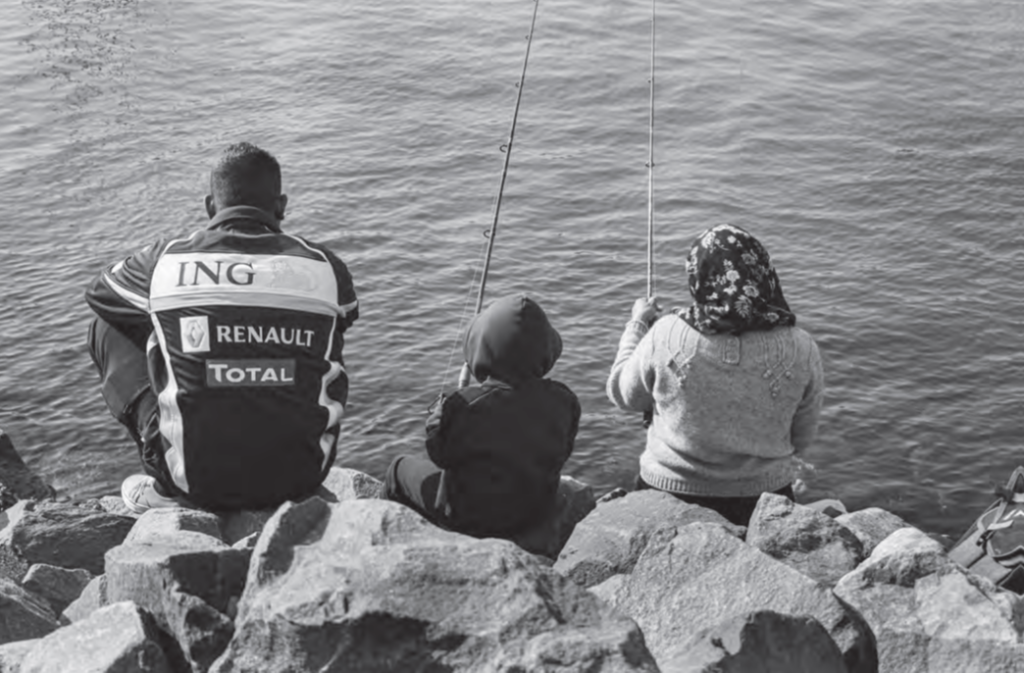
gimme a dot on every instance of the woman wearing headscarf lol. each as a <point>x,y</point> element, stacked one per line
<point>731,386</point>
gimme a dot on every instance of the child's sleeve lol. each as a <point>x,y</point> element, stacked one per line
<point>575,412</point>
<point>439,423</point>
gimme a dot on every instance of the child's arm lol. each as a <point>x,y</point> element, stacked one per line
<point>439,423</point>
<point>574,425</point>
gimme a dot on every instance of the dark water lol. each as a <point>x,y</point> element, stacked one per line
<point>876,149</point>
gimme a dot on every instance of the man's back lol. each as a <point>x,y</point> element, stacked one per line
<point>245,355</point>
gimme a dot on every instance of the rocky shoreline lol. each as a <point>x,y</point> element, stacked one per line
<point>345,581</point>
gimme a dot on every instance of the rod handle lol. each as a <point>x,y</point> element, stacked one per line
<point>464,376</point>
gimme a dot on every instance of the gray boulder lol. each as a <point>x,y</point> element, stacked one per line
<point>701,574</point>
<point>189,581</point>
<point>12,654</point>
<point>92,598</point>
<point>343,484</point>
<point>237,526</point>
<point>803,538</point>
<point>23,615</point>
<point>7,497</point>
<point>871,526</point>
<point>612,537</point>
<point>119,638</point>
<point>931,616</point>
<point>57,586</point>
<point>575,501</point>
<point>608,589</point>
<point>247,542</point>
<point>228,527</point>
<point>758,642</point>
<point>15,476</point>
<point>115,505</point>
<point>61,534</point>
<point>165,522</point>
<point>614,494</point>
<point>371,586</point>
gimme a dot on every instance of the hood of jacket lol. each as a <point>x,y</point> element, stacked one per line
<point>512,341</point>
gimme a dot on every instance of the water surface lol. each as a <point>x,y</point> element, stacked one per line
<point>876,149</point>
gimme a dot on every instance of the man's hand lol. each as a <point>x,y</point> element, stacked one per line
<point>646,310</point>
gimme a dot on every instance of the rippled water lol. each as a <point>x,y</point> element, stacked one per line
<point>876,149</point>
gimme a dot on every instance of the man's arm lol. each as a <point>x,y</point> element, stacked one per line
<point>120,294</point>
<point>348,304</point>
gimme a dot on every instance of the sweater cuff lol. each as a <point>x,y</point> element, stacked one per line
<point>638,326</point>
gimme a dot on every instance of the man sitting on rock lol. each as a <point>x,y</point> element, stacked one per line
<point>221,352</point>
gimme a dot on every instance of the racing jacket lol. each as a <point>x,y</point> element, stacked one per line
<point>244,330</point>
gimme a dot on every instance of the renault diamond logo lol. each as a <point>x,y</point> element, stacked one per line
<point>195,334</point>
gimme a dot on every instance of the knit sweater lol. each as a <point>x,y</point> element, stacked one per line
<point>729,412</point>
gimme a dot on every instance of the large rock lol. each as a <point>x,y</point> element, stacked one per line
<point>759,642</point>
<point>92,598</point>
<point>164,522</point>
<point>189,581</point>
<point>612,537</point>
<point>119,638</point>
<point>931,616</point>
<point>60,534</point>
<point>871,526</point>
<point>701,574</point>
<point>228,527</point>
<point>237,526</point>
<point>57,586</point>
<point>113,504</point>
<point>16,478</point>
<point>804,539</point>
<point>371,586</point>
<point>12,654</point>
<point>23,615</point>
<point>342,484</point>
<point>575,500</point>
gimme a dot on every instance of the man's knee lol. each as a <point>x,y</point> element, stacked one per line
<point>97,328</point>
<point>391,488</point>
<point>123,368</point>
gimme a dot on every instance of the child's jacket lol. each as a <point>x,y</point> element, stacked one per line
<point>502,443</point>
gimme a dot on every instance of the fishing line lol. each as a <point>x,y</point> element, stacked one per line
<point>507,150</point>
<point>462,317</point>
<point>650,173</point>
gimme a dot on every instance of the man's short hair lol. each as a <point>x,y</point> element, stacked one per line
<point>246,175</point>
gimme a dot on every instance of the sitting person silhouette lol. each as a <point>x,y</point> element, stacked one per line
<point>732,386</point>
<point>495,449</point>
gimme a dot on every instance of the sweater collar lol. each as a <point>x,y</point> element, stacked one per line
<point>229,218</point>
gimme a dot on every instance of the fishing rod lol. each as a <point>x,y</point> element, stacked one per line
<point>649,415</point>
<point>507,149</point>
<point>650,174</point>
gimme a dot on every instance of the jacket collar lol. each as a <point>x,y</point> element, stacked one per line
<point>226,218</point>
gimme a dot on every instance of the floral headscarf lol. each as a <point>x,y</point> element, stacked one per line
<point>734,285</point>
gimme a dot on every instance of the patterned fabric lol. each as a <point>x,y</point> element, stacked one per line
<point>734,285</point>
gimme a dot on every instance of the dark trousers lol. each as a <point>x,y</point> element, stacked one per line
<point>417,483</point>
<point>736,510</point>
<point>125,384</point>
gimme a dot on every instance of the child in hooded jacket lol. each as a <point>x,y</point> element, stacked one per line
<point>496,449</point>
